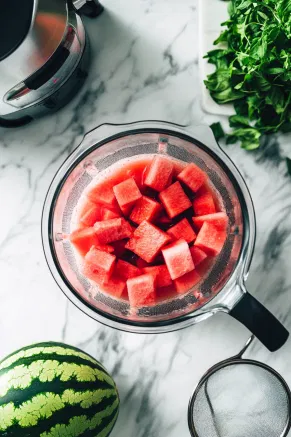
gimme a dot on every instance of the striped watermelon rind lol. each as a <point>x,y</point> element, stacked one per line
<point>55,390</point>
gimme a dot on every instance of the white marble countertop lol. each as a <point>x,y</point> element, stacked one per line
<point>145,66</point>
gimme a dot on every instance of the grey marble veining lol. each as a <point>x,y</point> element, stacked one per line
<point>145,66</point>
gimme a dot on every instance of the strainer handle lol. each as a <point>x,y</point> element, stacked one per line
<point>260,322</point>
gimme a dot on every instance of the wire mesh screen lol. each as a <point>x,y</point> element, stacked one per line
<point>241,400</point>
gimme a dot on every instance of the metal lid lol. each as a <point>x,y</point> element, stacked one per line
<point>43,20</point>
<point>15,20</point>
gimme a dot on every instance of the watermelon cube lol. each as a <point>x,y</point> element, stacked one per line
<point>174,200</point>
<point>197,255</point>
<point>101,260</point>
<point>126,270</point>
<point>112,230</point>
<point>84,207</point>
<point>192,176</point>
<point>204,204</point>
<point>178,258</point>
<point>210,239</point>
<point>91,215</point>
<point>105,247</point>
<point>127,193</point>
<point>182,230</point>
<point>159,175</point>
<point>147,241</point>
<point>96,275</point>
<point>103,194</point>
<point>163,278</point>
<point>108,214</point>
<point>218,219</point>
<point>145,209</point>
<point>142,290</point>
<point>115,286</point>
<point>187,281</point>
<point>84,239</point>
<point>141,263</point>
<point>110,283</point>
<point>119,247</point>
<point>163,219</point>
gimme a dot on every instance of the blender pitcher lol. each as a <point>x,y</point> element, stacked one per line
<point>222,289</point>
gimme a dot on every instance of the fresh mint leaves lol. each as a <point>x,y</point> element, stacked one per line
<point>253,70</point>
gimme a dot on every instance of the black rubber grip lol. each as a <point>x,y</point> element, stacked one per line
<point>92,8</point>
<point>260,322</point>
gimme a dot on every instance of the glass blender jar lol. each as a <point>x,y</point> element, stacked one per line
<point>222,289</point>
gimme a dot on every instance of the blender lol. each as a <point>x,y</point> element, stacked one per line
<point>221,290</point>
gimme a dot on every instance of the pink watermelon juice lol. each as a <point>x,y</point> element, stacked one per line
<point>149,229</point>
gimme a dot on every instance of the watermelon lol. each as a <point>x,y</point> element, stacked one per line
<point>198,255</point>
<point>210,239</point>
<point>91,216</point>
<point>141,263</point>
<point>204,204</point>
<point>126,270</point>
<point>182,230</point>
<point>159,174</point>
<point>84,207</point>
<point>126,193</point>
<point>163,278</point>
<point>119,247</point>
<point>115,286</point>
<point>174,200</point>
<point>163,219</point>
<point>138,223</point>
<point>112,230</point>
<point>187,281</point>
<point>192,176</point>
<point>110,283</point>
<point>218,219</point>
<point>105,247</point>
<point>103,194</point>
<point>90,271</point>
<point>145,209</point>
<point>84,239</point>
<point>53,389</point>
<point>108,214</point>
<point>101,260</point>
<point>178,258</point>
<point>142,290</point>
<point>147,241</point>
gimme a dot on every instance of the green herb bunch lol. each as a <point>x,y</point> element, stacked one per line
<point>253,71</point>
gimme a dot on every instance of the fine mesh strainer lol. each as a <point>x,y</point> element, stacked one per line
<point>240,398</point>
<point>222,289</point>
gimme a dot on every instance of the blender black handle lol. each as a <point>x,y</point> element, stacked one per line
<point>260,322</point>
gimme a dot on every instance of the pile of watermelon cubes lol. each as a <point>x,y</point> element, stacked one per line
<point>147,230</point>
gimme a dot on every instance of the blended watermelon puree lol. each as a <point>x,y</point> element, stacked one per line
<point>148,228</point>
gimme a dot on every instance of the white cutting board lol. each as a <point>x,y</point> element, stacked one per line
<point>211,14</point>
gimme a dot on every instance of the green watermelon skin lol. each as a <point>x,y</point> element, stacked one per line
<point>55,390</point>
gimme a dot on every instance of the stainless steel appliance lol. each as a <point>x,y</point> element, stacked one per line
<point>43,56</point>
